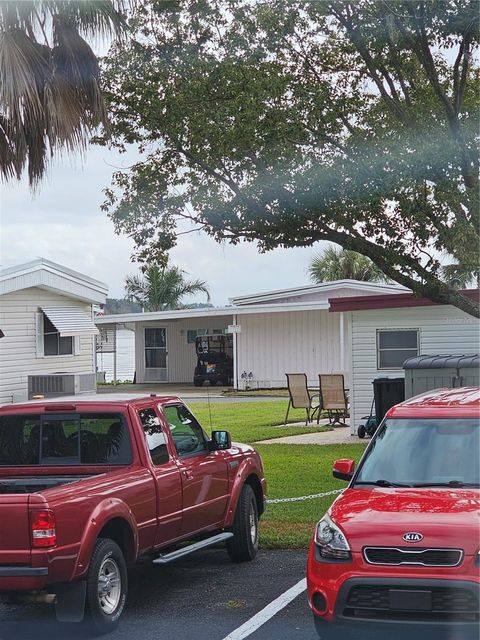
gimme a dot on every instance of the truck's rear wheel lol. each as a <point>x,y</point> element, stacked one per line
<point>107,585</point>
<point>244,544</point>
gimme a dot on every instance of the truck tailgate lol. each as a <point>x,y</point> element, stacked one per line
<point>14,529</point>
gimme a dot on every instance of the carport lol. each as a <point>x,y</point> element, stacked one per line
<point>165,340</point>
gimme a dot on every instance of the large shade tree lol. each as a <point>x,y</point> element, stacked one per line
<point>50,97</point>
<point>335,263</point>
<point>162,287</point>
<point>287,122</point>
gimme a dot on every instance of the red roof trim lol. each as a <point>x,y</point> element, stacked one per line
<point>389,301</point>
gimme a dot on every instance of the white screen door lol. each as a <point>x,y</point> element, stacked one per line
<point>155,354</point>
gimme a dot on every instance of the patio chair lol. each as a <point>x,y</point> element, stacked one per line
<point>300,396</point>
<point>333,397</point>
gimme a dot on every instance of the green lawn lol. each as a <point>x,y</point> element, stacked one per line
<point>290,470</point>
<point>293,471</point>
<point>251,421</point>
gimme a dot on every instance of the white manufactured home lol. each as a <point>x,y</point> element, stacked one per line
<point>276,332</point>
<point>46,317</point>
<point>386,330</point>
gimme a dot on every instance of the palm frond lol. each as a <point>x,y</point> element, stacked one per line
<point>162,288</point>
<point>98,18</point>
<point>13,150</point>
<point>50,95</point>
<point>342,264</point>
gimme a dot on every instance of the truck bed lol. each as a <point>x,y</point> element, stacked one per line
<point>35,484</point>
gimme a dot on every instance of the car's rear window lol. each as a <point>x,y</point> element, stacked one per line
<point>67,439</point>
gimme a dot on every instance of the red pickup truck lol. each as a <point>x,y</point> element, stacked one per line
<point>397,555</point>
<point>88,486</point>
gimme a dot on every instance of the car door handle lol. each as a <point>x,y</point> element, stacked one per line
<point>187,474</point>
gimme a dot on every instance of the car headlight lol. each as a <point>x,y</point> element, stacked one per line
<point>331,541</point>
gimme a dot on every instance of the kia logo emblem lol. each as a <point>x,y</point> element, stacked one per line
<point>411,536</point>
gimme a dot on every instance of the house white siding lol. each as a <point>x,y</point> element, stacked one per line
<point>271,345</point>
<point>442,330</point>
<point>18,349</point>
<point>125,346</point>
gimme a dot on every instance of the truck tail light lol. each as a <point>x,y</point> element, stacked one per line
<point>43,528</point>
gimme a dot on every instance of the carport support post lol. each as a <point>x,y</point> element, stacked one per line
<point>235,370</point>
<point>115,353</point>
<point>342,341</point>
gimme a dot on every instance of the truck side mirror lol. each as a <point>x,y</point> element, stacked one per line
<point>221,439</point>
<point>343,469</point>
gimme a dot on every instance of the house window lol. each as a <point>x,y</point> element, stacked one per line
<point>53,343</point>
<point>395,346</point>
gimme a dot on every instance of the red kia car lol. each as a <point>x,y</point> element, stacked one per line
<point>397,553</point>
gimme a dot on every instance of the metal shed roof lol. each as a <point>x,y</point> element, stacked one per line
<point>443,362</point>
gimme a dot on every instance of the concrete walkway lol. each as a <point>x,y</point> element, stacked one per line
<point>187,392</point>
<point>338,435</point>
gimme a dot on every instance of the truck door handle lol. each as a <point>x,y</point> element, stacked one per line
<point>187,474</point>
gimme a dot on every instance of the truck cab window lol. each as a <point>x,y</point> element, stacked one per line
<point>156,441</point>
<point>77,439</point>
<point>188,436</point>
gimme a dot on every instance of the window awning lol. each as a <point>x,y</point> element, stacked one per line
<point>70,321</point>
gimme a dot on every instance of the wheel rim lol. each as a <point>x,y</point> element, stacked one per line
<point>109,586</point>
<point>253,524</point>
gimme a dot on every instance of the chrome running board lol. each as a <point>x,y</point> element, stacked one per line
<point>191,548</point>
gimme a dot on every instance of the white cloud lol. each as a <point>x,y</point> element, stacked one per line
<point>63,222</point>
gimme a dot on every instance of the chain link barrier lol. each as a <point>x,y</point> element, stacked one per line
<point>303,498</point>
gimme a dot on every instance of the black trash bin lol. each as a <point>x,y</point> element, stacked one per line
<point>387,392</point>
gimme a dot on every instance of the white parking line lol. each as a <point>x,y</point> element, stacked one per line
<point>250,626</point>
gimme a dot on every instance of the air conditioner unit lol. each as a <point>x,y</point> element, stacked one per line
<point>61,384</point>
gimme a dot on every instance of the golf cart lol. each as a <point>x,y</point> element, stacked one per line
<point>214,359</point>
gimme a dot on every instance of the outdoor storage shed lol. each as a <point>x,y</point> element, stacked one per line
<point>424,373</point>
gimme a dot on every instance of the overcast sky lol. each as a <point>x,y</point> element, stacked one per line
<point>63,222</point>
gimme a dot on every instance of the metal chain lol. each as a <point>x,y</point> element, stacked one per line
<point>303,498</point>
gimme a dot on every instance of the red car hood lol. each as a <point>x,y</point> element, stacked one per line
<point>447,518</point>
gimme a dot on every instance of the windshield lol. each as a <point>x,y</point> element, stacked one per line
<point>428,452</point>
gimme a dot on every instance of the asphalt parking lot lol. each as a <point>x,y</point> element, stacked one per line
<point>204,597</point>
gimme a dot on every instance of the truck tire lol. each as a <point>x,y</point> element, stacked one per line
<point>107,586</point>
<point>244,544</point>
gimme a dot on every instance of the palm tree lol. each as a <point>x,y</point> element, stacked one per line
<point>460,276</point>
<point>50,97</point>
<point>342,264</point>
<point>162,288</point>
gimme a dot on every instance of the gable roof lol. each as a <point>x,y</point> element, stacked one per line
<point>361,303</point>
<point>45,274</point>
<point>363,288</point>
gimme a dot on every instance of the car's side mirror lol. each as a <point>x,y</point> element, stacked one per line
<point>343,469</point>
<point>221,439</point>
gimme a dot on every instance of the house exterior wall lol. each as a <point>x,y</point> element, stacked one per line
<point>442,330</point>
<point>125,346</point>
<point>181,358</point>
<point>18,349</point>
<point>271,345</point>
